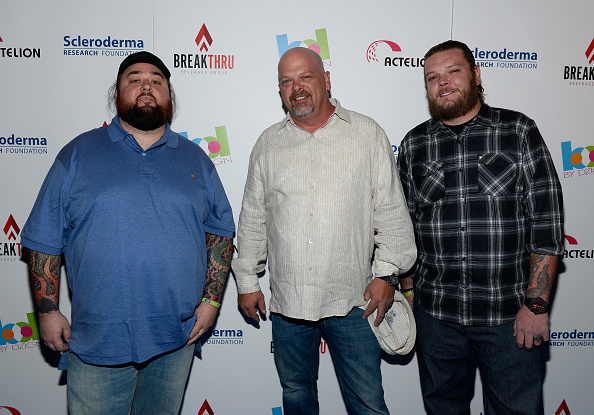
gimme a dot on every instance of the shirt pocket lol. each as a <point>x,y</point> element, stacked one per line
<point>429,181</point>
<point>497,174</point>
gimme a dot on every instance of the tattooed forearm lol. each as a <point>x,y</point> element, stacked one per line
<point>542,272</point>
<point>219,251</point>
<point>44,270</point>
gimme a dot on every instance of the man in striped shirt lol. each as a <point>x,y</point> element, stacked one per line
<point>322,190</point>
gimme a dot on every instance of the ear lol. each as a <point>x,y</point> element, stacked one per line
<point>327,80</point>
<point>477,74</point>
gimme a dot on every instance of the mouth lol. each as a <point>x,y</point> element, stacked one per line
<point>300,98</point>
<point>146,99</point>
<point>447,93</point>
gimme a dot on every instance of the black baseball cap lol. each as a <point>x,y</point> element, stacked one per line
<point>143,57</point>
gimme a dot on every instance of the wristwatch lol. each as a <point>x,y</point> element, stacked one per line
<point>392,280</point>
<point>537,305</point>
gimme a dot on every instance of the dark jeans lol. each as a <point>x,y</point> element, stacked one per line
<point>448,355</point>
<point>355,353</point>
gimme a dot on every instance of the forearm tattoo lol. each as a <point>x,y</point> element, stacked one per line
<point>542,272</point>
<point>44,270</point>
<point>219,251</point>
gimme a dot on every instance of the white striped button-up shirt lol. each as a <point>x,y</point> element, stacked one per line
<point>314,207</point>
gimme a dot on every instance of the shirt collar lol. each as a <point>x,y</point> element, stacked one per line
<point>484,117</point>
<point>117,133</point>
<point>339,111</point>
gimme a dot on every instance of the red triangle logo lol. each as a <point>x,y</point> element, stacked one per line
<point>205,408</point>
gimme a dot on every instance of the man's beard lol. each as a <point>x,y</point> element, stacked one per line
<point>144,117</point>
<point>301,110</point>
<point>468,99</point>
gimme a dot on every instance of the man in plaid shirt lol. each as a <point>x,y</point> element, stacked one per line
<point>486,205</point>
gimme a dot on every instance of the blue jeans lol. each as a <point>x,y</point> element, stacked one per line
<point>448,355</point>
<point>355,353</point>
<point>153,387</point>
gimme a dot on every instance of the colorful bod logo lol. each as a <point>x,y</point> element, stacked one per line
<point>320,45</point>
<point>574,158</point>
<point>28,331</point>
<point>217,146</point>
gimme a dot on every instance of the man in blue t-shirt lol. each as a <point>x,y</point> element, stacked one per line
<point>141,219</point>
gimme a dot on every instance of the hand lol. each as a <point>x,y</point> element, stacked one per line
<point>205,316</point>
<point>249,302</point>
<point>382,297</point>
<point>54,330</point>
<point>528,325</point>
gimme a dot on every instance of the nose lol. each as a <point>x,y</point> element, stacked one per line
<point>443,81</point>
<point>146,85</point>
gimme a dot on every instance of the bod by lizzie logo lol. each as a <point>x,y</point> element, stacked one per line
<point>319,45</point>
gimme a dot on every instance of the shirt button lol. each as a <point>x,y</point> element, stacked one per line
<point>459,141</point>
<point>143,154</point>
<point>311,187</point>
<point>463,228</point>
<point>311,214</point>
<point>460,169</point>
<point>462,199</point>
<point>310,268</point>
<point>310,241</point>
<point>312,161</point>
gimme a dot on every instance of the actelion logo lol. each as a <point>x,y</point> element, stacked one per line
<point>395,61</point>
<point>21,332</point>
<point>11,410</point>
<point>575,159</point>
<point>216,147</point>
<point>205,63</point>
<point>319,45</point>
<point>19,52</point>
<point>576,253</point>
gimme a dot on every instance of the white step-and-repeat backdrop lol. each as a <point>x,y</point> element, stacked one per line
<point>57,60</point>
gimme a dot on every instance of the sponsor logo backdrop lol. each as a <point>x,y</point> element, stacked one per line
<point>58,60</point>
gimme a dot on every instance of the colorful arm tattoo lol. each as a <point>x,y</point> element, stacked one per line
<point>44,270</point>
<point>219,251</point>
<point>542,273</point>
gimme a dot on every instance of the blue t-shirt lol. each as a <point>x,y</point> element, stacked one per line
<point>131,225</point>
